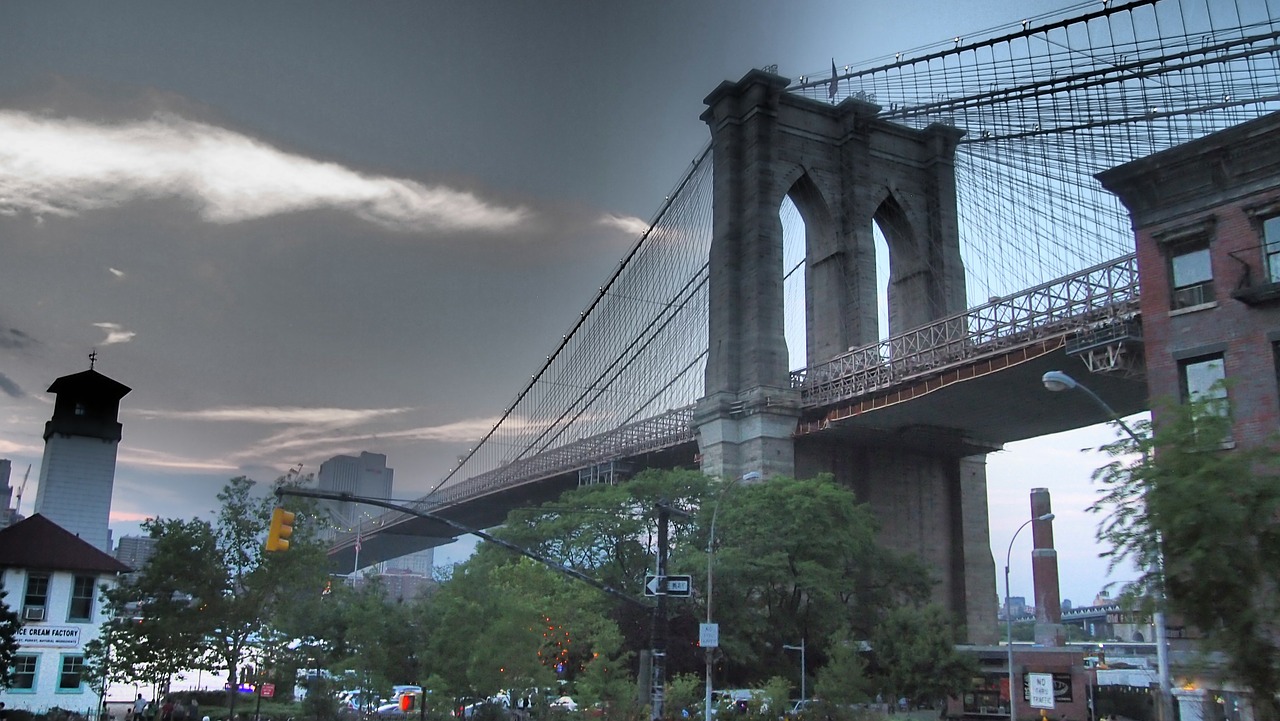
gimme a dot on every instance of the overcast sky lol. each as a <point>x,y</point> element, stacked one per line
<point>302,229</point>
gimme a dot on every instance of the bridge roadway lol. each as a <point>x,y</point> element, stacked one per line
<point>974,377</point>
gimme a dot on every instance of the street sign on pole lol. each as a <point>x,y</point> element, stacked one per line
<point>1041,687</point>
<point>709,635</point>
<point>679,585</point>
<point>268,690</point>
<point>654,585</point>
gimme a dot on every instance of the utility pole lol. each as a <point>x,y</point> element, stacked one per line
<point>658,630</point>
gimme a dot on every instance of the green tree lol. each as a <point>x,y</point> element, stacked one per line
<point>209,592</point>
<point>684,692</point>
<point>9,625</point>
<point>609,533</point>
<point>915,648</point>
<point>1203,523</point>
<point>607,676</point>
<point>146,637</point>
<point>799,559</point>
<point>844,679</point>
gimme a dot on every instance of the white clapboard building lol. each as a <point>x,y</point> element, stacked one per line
<point>52,579</point>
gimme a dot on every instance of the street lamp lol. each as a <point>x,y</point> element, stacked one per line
<point>711,542</point>
<point>1008,611</point>
<point>799,648</point>
<point>1059,381</point>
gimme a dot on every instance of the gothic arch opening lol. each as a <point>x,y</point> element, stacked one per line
<point>808,232</point>
<point>896,242</point>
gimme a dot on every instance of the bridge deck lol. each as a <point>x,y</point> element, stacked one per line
<point>972,378</point>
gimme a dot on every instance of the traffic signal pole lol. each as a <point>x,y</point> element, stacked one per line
<point>658,629</point>
<point>549,563</point>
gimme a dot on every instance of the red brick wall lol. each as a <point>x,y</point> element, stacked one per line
<point>1249,360</point>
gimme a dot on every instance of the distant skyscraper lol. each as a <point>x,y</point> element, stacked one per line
<point>365,475</point>
<point>401,585</point>
<point>135,551</point>
<point>420,562</point>
<point>79,466</point>
<point>6,494</point>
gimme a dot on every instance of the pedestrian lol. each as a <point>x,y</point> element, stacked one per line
<point>149,713</point>
<point>193,708</point>
<point>139,705</point>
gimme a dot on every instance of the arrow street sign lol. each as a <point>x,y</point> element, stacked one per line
<point>679,586</point>
<point>653,585</point>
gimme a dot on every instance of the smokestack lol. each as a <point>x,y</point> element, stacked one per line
<point>1044,571</point>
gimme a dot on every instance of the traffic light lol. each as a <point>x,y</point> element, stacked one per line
<point>408,702</point>
<point>281,529</point>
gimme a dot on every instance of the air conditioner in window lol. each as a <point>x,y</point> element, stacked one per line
<point>33,613</point>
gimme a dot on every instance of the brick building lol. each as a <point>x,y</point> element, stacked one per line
<point>1206,216</point>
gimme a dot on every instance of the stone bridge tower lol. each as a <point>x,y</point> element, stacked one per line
<point>845,170</point>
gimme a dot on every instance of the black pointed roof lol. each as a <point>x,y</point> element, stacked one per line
<point>90,382</point>
<point>37,542</point>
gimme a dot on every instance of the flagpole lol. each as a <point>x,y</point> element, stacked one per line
<point>355,568</point>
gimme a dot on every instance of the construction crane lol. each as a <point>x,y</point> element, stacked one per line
<point>17,504</point>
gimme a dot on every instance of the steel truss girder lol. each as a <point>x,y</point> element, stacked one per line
<point>1105,293</point>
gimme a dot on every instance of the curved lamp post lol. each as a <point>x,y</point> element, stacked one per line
<point>1008,610</point>
<point>800,648</point>
<point>1059,381</point>
<point>711,542</point>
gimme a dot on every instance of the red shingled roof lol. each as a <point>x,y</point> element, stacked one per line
<point>37,542</point>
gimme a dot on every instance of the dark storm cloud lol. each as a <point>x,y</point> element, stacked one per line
<point>10,388</point>
<point>14,339</point>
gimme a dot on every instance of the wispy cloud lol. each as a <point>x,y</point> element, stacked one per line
<point>116,272</point>
<point>301,441</point>
<point>57,166</point>
<point>276,415</point>
<point>12,448</point>
<point>115,333</point>
<point>141,457</point>
<point>129,516</point>
<point>10,388</point>
<point>628,224</point>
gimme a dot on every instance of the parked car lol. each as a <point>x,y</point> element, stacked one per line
<point>473,707</point>
<point>389,710</point>
<point>566,703</point>
<point>801,708</point>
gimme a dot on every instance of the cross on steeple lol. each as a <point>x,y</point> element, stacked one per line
<point>93,358</point>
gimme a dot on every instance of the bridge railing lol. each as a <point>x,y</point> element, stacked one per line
<point>1096,296</point>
